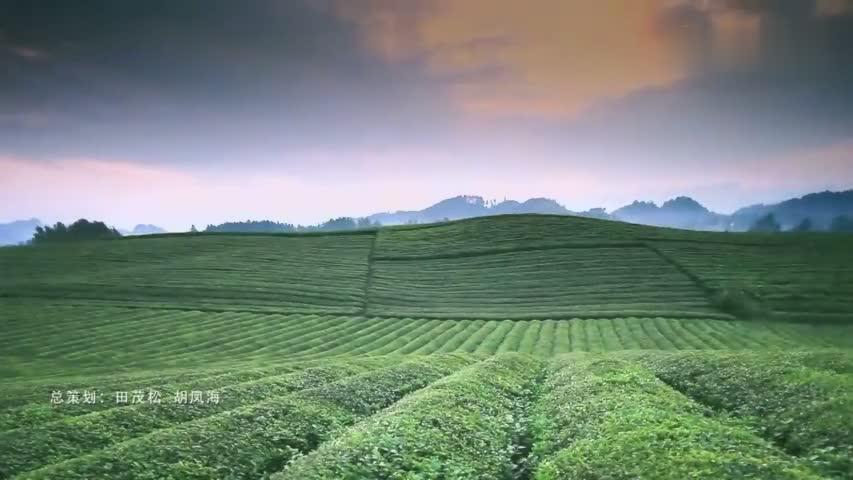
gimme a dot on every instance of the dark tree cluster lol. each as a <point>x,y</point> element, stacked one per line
<point>768,223</point>
<point>841,223</point>
<point>262,226</point>
<point>269,226</point>
<point>80,230</point>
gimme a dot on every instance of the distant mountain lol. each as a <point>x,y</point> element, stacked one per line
<point>679,212</point>
<point>682,212</point>
<point>821,208</point>
<point>18,231</point>
<point>143,229</point>
<point>468,206</point>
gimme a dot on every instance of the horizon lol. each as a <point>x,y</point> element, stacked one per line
<point>488,203</point>
<point>205,112</point>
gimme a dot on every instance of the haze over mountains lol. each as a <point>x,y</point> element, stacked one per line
<point>18,231</point>
<point>143,229</point>
<point>21,231</point>
<point>680,212</point>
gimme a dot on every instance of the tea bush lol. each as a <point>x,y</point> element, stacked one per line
<point>609,419</point>
<point>466,426</point>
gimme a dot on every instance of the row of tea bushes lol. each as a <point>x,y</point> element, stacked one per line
<point>28,448</point>
<point>610,419</point>
<point>248,441</point>
<point>805,410</point>
<point>466,426</point>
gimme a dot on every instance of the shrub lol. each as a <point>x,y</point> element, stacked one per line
<point>463,427</point>
<point>807,412</point>
<point>250,441</point>
<point>80,230</point>
<point>49,442</point>
<point>738,302</point>
<point>611,419</point>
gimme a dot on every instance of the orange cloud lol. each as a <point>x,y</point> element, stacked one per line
<point>504,57</point>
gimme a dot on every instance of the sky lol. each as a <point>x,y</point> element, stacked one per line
<point>201,111</point>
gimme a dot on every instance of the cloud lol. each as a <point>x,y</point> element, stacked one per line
<point>557,57</point>
<point>208,80</point>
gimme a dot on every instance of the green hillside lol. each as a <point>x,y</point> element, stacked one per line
<point>584,348</point>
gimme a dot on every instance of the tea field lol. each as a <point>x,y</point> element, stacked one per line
<point>510,347</point>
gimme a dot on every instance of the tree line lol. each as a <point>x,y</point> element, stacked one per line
<point>80,230</point>
<point>85,230</point>
<point>269,226</point>
<point>768,223</point>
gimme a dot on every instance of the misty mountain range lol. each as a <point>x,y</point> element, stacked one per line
<point>21,231</point>
<point>142,229</point>
<point>680,212</point>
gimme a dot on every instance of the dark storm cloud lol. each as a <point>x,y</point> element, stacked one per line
<point>195,80</point>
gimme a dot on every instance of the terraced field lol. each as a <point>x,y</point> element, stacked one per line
<point>223,272</point>
<point>90,338</point>
<point>516,347</point>
<point>557,282</point>
<point>812,279</point>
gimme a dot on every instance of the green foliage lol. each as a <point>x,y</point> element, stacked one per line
<point>602,418</point>
<point>806,225</point>
<point>269,226</point>
<point>36,411</point>
<point>514,267</point>
<point>44,339</point>
<point>766,224</point>
<point>312,274</point>
<point>841,223</point>
<point>806,411</point>
<point>249,441</point>
<point>739,303</point>
<point>80,230</point>
<point>590,281</point>
<point>25,449</point>
<point>314,342</point>
<point>808,278</point>
<point>466,426</point>
<point>262,226</point>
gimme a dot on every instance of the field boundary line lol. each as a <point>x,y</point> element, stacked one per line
<point>368,281</point>
<point>421,316</point>
<point>499,250</point>
<point>774,243</point>
<point>682,269</point>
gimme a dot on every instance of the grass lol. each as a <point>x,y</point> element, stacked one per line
<point>514,347</point>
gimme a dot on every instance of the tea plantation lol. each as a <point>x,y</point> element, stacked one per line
<point>510,347</point>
